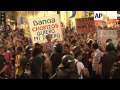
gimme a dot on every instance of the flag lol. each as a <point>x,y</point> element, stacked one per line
<point>73,14</point>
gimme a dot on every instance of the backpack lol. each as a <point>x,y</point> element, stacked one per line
<point>76,69</point>
<point>80,75</point>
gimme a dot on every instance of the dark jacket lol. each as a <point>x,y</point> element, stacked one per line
<point>36,67</point>
<point>66,74</point>
<point>55,60</point>
<point>107,62</point>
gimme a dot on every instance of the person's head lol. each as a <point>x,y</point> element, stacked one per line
<point>109,41</point>
<point>76,48</point>
<point>110,47</point>
<point>48,37</point>
<point>36,51</point>
<point>95,46</point>
<point>19,42</point>
<point>19,50</point>
<point>67,62</point>
<point>90,44</point>
<point>66,48</point>
<point>2,48</point>
<point>26,41</point>
<point>38,45</point>
<point>78,55</point>
<point>58,48</point>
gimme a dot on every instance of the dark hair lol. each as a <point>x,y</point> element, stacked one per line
<point>26,40</point>
<point>58,48</point>
<point>38,45</point>
<point>66,45</point>
<point>19,49</point>
<point>77,53</point>
<point>95,46</point>
<point>108,40</point>
<point>48,35</point>
<point>36,51</point>
<point>110,47</point>
<point>90,43</point>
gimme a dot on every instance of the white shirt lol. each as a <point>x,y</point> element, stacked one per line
<point>80,66</point>
<point>96,58</point>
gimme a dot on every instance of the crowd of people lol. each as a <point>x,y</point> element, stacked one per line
<point>76,57</point>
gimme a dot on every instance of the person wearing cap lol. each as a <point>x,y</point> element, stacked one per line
<point>66,68</point>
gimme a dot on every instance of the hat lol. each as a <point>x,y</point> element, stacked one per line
<point>66,59</point>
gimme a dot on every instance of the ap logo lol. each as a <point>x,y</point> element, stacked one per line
<point>98,15</point>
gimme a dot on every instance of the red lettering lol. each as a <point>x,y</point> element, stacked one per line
<point>44,27</point>
<point>53,26</point>
<point>56,26</point>
<point>37,28</point>
<point>48,27</point>
<point>34,29</point>
<point>41,27</point>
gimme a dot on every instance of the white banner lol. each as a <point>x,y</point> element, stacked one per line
<point>40,27</point>
<point>103,35</point>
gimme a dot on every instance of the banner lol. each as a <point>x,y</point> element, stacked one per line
<point>85,25</point>
<point>103,35</point>
<point>40,27</point>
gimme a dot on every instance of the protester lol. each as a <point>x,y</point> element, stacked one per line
<point>95,61</point>
<point>48,47</point>
<point>81,70</point>
<point>115,71</point>
<point>66,50</point>
<point>107,61</point>
<point>66,68</point>
<point>56,57</point>
<point>36,64</point>
<point>19,58</point>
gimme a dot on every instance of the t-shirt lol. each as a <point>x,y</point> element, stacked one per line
<point>80,66</point>
<point>96,59</point>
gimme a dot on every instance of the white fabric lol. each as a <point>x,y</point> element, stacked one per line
<point>96,58</point>
<point>80,66</point>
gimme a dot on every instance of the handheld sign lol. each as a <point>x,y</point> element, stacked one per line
<point>85,25</point>
<point>40,27</point>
